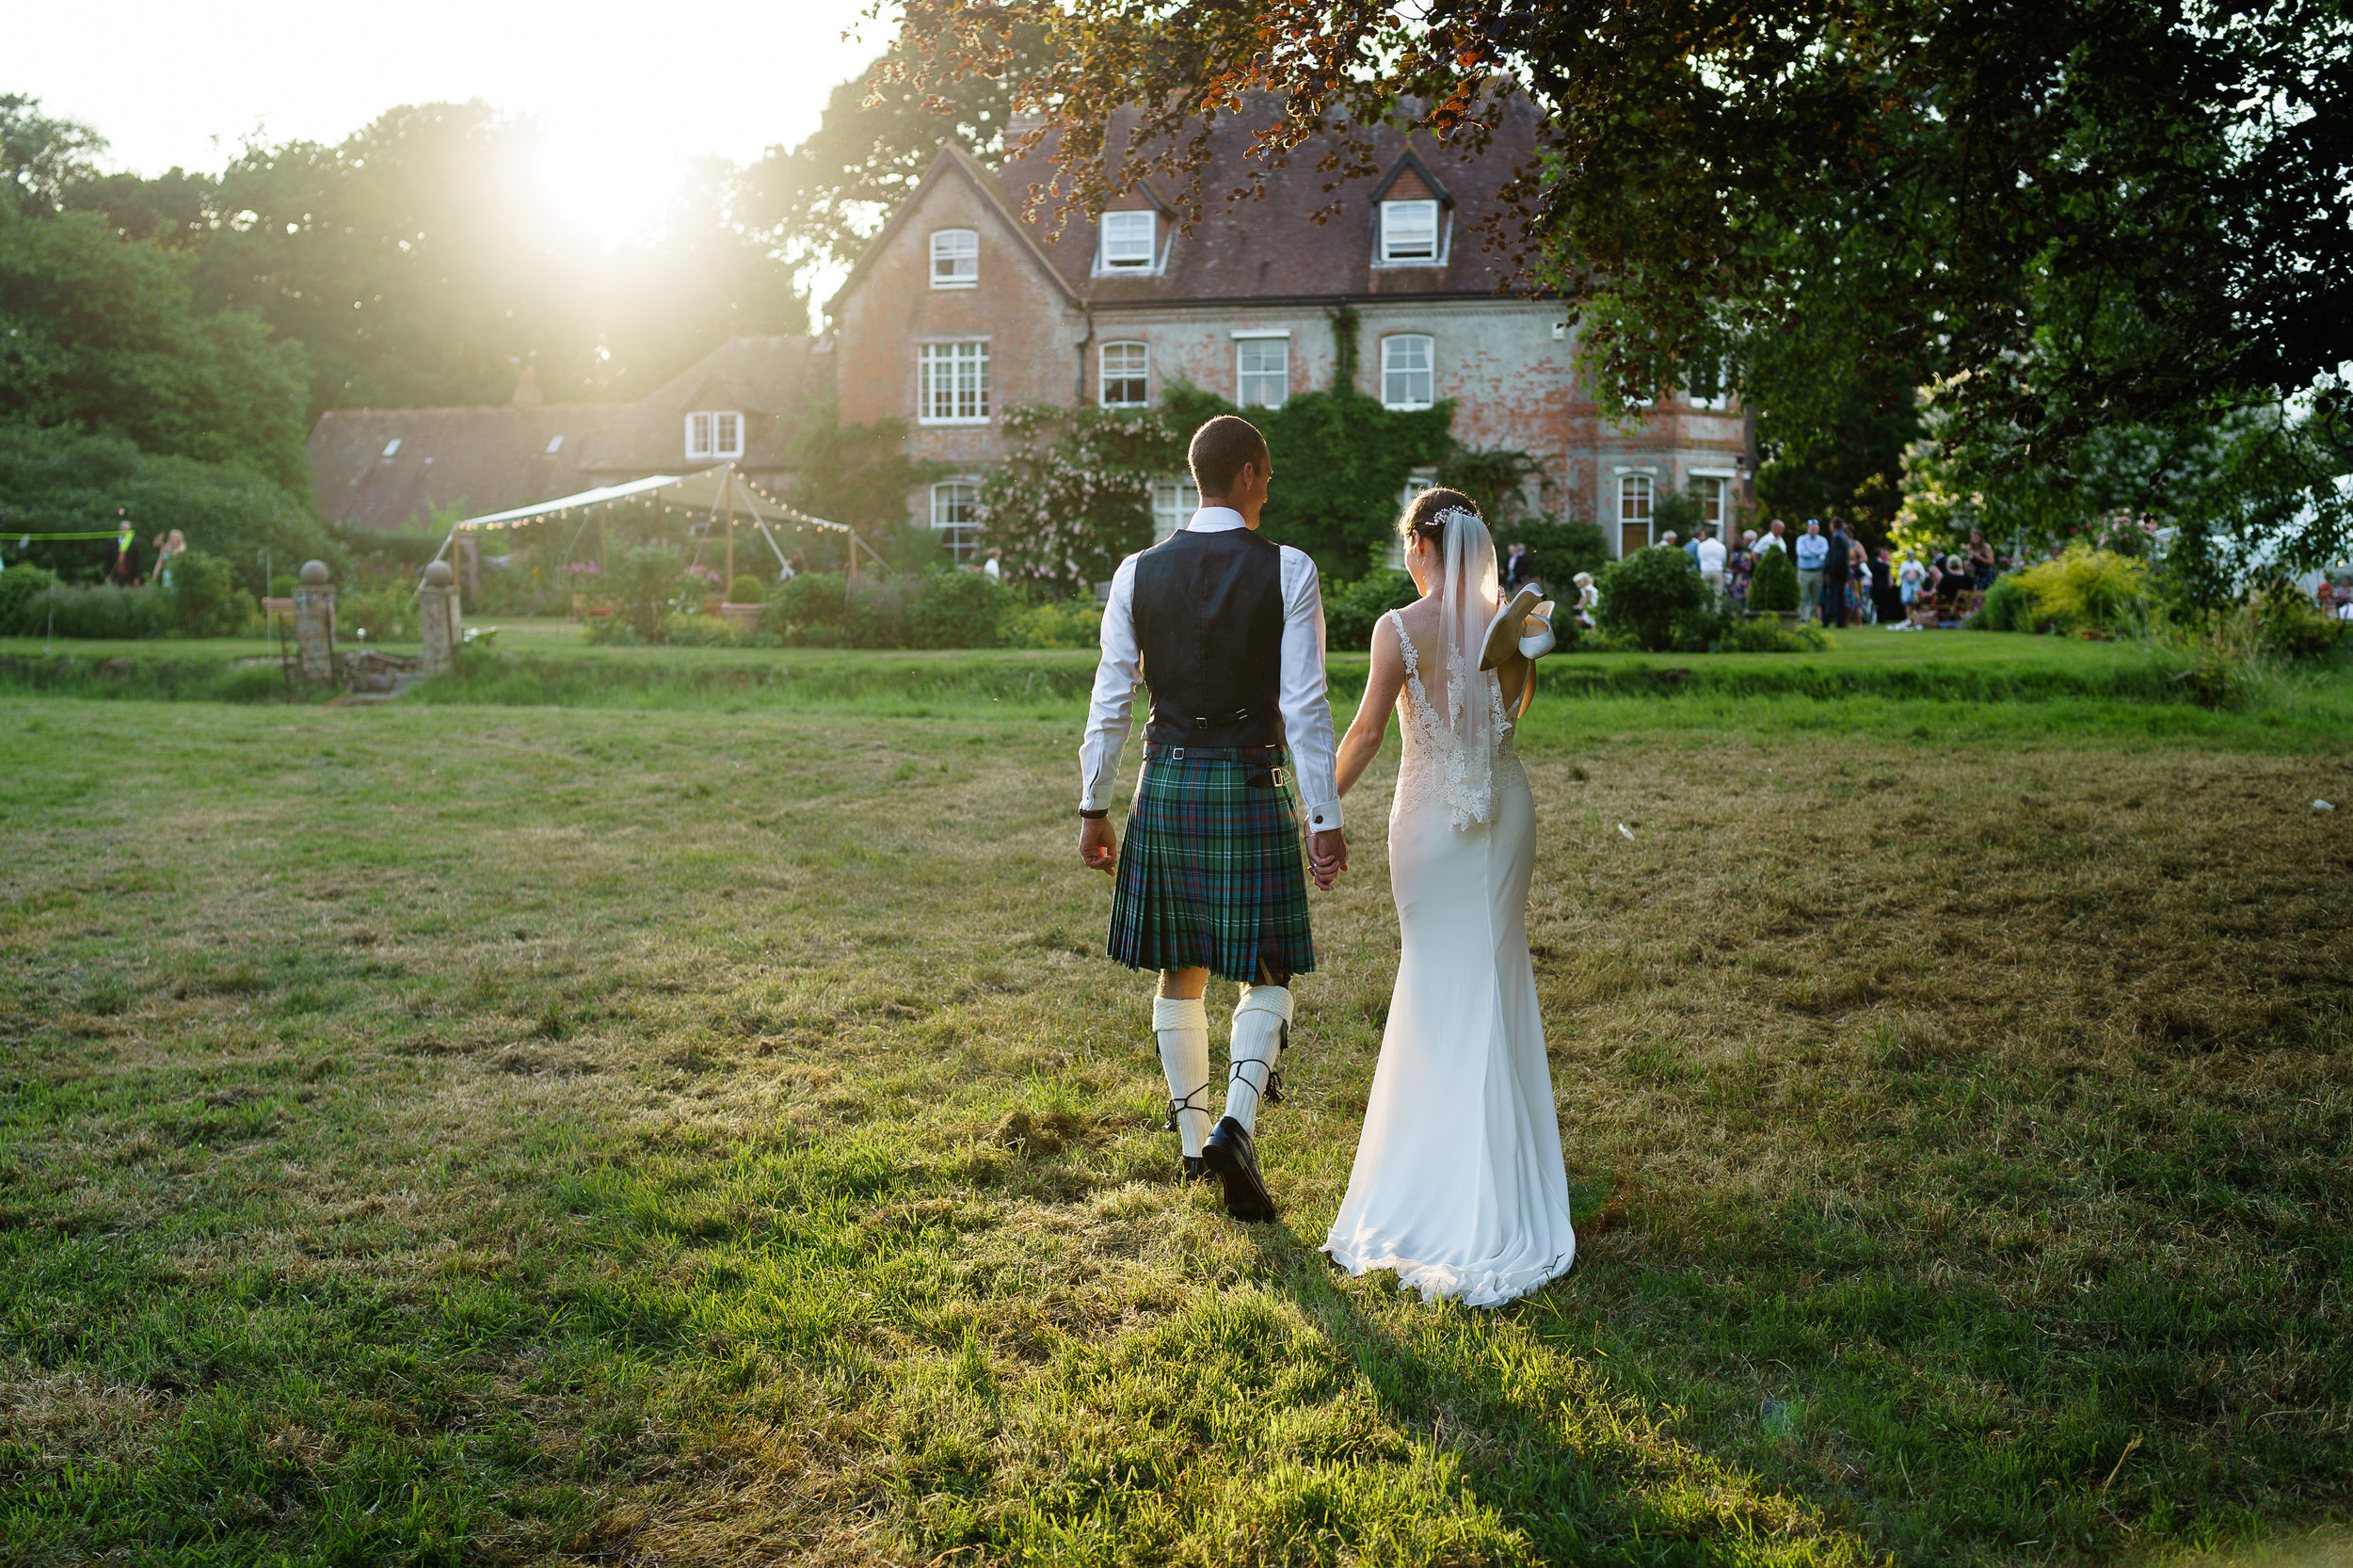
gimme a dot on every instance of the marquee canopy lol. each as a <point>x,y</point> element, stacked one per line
<point>718,491</point>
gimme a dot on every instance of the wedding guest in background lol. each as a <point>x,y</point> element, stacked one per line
<point>1982,565</point>
<point>1738,568</point>
<point>1812,552</point>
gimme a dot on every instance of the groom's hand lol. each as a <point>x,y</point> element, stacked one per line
<point>1099,846</point>
<point>1327,857</point>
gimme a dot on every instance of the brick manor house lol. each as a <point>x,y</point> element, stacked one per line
<point>959,309</point>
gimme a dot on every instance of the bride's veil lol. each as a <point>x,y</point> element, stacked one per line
<point>1470,710</point>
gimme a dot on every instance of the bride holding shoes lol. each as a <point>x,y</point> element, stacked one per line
<point>1458,1184</point>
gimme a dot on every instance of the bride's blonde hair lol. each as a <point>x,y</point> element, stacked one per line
<point>1425,515</point>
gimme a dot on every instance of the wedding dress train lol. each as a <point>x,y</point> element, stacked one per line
<point>1459,1184</point>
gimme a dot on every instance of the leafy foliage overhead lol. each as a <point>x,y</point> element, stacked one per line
<point>106,334</point>
<point>2065,212</point>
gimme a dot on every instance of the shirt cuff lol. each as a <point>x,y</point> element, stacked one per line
<point>1094,797</point>
<point>1325,818</point>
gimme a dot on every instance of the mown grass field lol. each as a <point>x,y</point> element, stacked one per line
<point>502,1131</point>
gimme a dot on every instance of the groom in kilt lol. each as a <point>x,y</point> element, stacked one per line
<point>1228,630</point>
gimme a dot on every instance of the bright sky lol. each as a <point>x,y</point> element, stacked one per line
<point>630,90</point>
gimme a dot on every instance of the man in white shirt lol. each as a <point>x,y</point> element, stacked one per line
<point>1813,553</point>
<point>1230,628</point>
<point>1710,551</point>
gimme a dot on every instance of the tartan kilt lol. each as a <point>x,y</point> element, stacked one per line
<point>1211,874</point>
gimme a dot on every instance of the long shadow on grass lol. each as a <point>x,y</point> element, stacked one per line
<point>1574,1465</point>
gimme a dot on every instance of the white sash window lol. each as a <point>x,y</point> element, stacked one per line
<point>1407,378</point>
<point>715,434</point>
<point>953,384</point>
<point>955,259</point>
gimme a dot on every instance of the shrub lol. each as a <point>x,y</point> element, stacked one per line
<point>18,585</point>
<point>2007,607</point>
<point>2290,626</point>
<point>645,590</point>
<point>1071,623</point>
<point>1773,585</point>
<point>380,615</point>
<point>806,610</point>
<point>1350,610</point>
<point>1771,636</point>
<point>1646,593</point>
<point>204,600</point>
<point>698,630</point>
<point>2087,590</point>
<point>95,609</point>
<point>747,589</point>
<point>875,611</point>
<point>1557,551</point>
<point>960,609</point>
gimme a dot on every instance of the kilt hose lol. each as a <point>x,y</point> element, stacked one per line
<point>1211,874</point>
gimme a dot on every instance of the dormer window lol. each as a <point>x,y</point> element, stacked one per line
<point>714,434</point>
<point>1409,231</point>
<point>555,444</point>
<point>391,448</point>
<point>1128,241</point>
<point>955,259</point>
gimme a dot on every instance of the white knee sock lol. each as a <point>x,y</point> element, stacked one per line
<point>1261,1019</point>
<point>1183,1029</point>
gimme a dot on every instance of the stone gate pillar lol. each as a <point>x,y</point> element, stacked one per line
<point>438,618</point>
<point>314,624</point>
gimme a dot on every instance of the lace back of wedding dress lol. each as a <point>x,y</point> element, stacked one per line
<point>1459,732</point>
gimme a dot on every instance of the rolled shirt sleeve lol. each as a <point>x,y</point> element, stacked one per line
<point>1111,708</point>
<point>1306,707</point>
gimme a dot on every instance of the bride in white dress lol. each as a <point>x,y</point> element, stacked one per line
<point>1459,1184</point>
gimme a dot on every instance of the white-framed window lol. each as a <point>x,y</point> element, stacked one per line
<point>1417,481</point>
<point>1128,241</point>
<point>1715,498</point>
<point>1407,378</point>
<point>714,433</point>
<point>1409,231</point>
<point>1635,494</point>
<point>1263,371</point>
<point>1173,502</point>
<point>1124,374</point>
<point>953,386</point>
<point>956,517</point>
<point>1711,386</point>
<point>955,259</point>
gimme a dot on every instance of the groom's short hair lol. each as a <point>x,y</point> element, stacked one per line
<point>1220,448</point>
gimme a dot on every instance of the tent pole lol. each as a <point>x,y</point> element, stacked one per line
<point>731,493</point>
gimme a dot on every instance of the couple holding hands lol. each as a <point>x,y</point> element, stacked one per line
<point>1458,1185</point>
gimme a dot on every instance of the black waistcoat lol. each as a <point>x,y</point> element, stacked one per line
<point>1209,614</point>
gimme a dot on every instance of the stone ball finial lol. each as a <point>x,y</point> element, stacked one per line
<point>314,574</point>
<point>438,575</point>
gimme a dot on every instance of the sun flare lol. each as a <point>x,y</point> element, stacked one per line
<point>604,182</point>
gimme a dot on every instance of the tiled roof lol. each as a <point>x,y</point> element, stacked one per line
<point>1274,249</point>
<point>490,459</point>
<point>763,379</point>
<point>480,459</point>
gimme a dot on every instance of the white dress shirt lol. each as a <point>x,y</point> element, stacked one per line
<point>1711,556</point>
<point>1306,713</point>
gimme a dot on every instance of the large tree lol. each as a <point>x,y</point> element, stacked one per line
<point>419,261</point>
<point>818,202</point>
<point>2065,212</point>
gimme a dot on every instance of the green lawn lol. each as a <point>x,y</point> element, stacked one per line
<point>455,1132</point>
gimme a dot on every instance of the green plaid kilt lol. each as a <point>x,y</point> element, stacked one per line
<point>1211,874</point>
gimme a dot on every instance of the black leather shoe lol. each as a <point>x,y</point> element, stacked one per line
<point>1234,1158</point>
<point>1196,1169</point>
